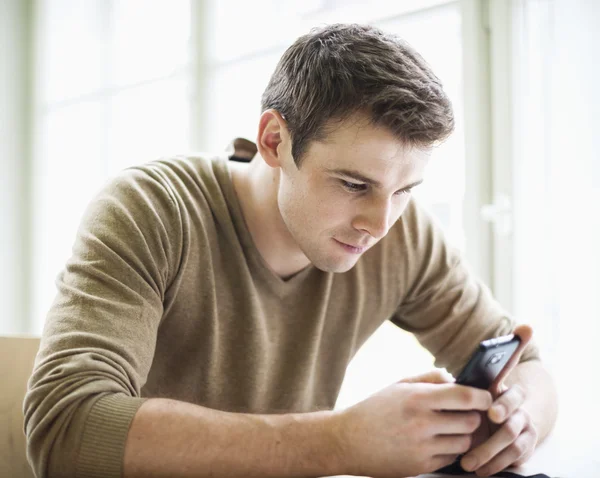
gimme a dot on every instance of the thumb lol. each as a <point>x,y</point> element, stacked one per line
<point>525,333</point>
<point>437,375</point>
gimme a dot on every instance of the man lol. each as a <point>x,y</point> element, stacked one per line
<point>205,320</point>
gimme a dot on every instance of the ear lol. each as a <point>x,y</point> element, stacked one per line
<point>273,137</point>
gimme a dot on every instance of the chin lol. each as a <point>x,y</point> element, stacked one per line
<point>338,266</point>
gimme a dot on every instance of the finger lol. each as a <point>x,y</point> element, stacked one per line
<point>434,376</point>
<point>448,444</point>
<point>439,461</point>
<point>506,435</point>
<point>529,454</point>
<point>456,422</point>
<point>458,397</point>
<point>507,404</point>
<point>521,447</point>
<point>525,333</point>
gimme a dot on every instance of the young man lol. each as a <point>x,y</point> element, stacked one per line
<point>205,321</point>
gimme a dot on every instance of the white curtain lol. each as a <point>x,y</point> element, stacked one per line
<point>557,185</point>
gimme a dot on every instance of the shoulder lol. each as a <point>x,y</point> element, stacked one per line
<point>175,182</point>
<point>180,173</point>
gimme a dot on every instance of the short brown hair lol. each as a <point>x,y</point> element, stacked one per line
<point>338,70</point>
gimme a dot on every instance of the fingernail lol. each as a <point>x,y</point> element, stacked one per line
<point>499,411</point>
<point>469,463</point>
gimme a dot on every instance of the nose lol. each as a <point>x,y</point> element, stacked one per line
<point>376,218</point>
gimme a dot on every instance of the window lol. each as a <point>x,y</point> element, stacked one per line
<point>113,90</point>
<point>556,181</point>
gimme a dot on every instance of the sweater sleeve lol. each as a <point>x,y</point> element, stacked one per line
<point>448,309</point>
<point>100,332</point>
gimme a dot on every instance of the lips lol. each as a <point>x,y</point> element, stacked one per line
<point>366,246</point>
<point>351,248</point>
<point>352,245</point>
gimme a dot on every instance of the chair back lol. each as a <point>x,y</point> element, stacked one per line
<point>17,355</point>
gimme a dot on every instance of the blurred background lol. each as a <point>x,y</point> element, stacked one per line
<point>89,87</point>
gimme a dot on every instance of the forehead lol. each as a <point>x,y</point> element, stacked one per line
<point>374,151</point>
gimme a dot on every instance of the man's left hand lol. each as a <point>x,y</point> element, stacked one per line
<point>507,436</point>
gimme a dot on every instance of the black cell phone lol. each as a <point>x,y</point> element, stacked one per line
<point>487,362</point>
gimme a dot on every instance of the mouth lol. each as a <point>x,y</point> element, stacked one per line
<point>350,248</point>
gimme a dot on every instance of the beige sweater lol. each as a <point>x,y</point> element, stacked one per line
<point>166,295</point>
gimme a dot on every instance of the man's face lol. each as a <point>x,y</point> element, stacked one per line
<point>347,193</point>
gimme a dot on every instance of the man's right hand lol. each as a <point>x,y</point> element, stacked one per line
<point>414,426</point>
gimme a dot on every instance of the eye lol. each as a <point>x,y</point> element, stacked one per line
<point>403,191</point>
<point>353,187</point>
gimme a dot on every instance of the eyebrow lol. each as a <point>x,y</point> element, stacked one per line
<point>364,179</point>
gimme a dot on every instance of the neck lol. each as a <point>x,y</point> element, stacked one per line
<point>256,185</point>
